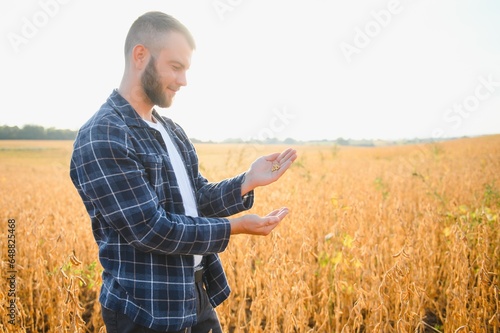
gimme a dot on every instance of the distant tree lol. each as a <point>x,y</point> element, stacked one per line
<point>32,132</point>
<point>35,132</point>
<point>59,134</point>
<point>233,140</point>
<point>271,141</point>
<point>342,142</point>
<point>9,133</point>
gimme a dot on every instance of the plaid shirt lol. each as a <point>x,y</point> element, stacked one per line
<point>122,171</point>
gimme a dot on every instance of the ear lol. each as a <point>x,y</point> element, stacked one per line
<point>140,56</point>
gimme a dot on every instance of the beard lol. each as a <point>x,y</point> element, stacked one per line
<point>152,87</point>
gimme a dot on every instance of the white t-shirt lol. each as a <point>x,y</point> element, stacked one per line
<point>181,175</point>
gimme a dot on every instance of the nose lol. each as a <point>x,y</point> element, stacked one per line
<point>182,79</point>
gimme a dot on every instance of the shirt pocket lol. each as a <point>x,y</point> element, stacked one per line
<point>154,169</point>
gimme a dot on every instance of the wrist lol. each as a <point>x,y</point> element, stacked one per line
<point>247,184</point>
<point>236,226</point>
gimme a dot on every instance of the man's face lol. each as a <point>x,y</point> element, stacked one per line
<point>165,73</point>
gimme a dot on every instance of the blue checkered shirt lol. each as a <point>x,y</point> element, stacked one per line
<point>122,171</point>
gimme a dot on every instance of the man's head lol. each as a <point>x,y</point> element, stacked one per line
<point>149,29</point>
<point>158,51</point>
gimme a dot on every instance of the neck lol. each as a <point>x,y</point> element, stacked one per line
<point>135,96</point>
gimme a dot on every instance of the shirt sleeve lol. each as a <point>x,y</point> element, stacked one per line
<point>113,178</point>
<point>223,198</point>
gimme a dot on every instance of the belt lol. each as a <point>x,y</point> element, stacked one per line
<point>198,275</point>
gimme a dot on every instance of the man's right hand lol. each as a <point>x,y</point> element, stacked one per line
<point>252,224</point>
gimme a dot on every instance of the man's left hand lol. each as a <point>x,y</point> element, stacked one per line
<point>268,169</point>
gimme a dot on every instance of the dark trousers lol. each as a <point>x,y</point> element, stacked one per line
<point>207,318</point>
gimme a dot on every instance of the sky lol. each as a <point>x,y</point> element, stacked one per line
<point>301,69</point>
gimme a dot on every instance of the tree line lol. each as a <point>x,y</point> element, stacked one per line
<point>35,132</point>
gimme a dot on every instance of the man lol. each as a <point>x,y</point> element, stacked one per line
<point>158,223</point>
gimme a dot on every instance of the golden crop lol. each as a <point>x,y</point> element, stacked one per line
<point>386,239</point>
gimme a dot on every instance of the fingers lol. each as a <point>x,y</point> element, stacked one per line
<point>282,161</point>
<point>282,213</point>
<point>282,168</point>
<point>273,219</point>
<point>286,155</point>
<point>272,157</point>
<point>279,213</point>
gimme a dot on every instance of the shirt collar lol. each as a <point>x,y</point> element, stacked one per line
<point>131,117</point>
<point>123,107</point>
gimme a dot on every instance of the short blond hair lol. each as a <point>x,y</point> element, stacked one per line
<point>150,27</point>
